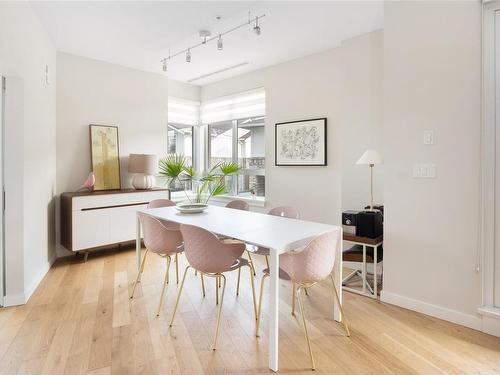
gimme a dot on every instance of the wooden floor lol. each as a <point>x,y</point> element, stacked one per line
<point>81,321</point>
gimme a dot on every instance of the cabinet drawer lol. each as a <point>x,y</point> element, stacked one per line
<point>90,229</point>
<point>122,222</point>
<point>97,201</point>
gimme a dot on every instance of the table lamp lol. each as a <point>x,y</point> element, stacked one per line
<point>370,158</point>
<point>144,167</point>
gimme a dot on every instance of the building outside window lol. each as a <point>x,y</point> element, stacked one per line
<point>241,141</point>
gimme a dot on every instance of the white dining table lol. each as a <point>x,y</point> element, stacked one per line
<point>279,234</point>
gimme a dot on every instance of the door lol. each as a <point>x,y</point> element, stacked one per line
<point>496,148</point>
<point>2,190</point>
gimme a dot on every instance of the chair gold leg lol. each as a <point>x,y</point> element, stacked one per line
<point>294,297</point>
<point>267,261</point>
<point>216,290</point>
<point>179,296</point>
<point>251,262</point>
<point>307,293</point>
<point>252,281</point>
<point>343,318</point>
<point>257,324</point>
<point>238,283</point>
<point>177,267</point>
<point>141,270</point>
<point>202,285</point>
<point>165,282</point>
<point>219,312</point>
<point>299,297</point>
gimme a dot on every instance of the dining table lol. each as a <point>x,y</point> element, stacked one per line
<point>279,234</point>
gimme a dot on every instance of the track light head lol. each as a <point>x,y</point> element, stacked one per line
<point>256,28</point>
<point>220,46</point>
<point>164,65</point>
<point>188,55</point>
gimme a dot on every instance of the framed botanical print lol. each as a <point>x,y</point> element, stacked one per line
<point>300,143</point>
<point>105,157</point>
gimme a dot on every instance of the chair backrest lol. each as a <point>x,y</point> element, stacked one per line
<point>285,211</point>
<point>205,252</point>
<point>162,202</point>
<point>238,204</point>
<point>158,238</point>
<point>157,203</point>
<point>315,262</point>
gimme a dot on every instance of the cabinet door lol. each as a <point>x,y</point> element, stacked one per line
<point>123,223</point>
<point>90,229</point>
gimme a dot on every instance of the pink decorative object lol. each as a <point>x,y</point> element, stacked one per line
<point>89,182</point>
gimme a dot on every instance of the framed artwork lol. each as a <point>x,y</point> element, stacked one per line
<point>105,157</point>
<point>300,143</point>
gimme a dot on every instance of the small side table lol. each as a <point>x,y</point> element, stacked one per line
<point>375,243</point>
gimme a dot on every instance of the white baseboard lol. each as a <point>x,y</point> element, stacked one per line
<point>467,320</point>
<point>14,300</point>
<point>22,298</point>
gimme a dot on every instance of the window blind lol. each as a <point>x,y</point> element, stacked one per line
<point>183,111</point>
<point>246,104</point>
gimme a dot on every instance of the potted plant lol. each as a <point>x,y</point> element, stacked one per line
<point>210,184</point>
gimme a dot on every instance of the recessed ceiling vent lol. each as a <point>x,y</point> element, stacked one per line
<point>218,71</point>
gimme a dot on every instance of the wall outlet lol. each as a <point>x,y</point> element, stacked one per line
<point>428,137</point>
<point>424,170</point>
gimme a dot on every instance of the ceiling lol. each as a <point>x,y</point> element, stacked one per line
<point>138,34</point>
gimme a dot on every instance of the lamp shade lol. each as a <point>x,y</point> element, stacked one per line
<point>142,163</point>
<point>370,157</point>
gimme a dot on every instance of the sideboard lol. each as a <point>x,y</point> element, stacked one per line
<point>93,219</point>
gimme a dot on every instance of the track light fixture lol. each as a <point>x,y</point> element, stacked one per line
<point>207,38</point>
<point>256,28</point>
<point>220,46</point>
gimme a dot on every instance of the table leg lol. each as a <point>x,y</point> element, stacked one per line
<point>138,242</point>
<point>364,268</point>
<point>273,310</point>
<point>337,276</point>
<point>375,281</point>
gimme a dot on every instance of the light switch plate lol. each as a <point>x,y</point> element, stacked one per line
<point>424,170</point>
<point>428,137</point>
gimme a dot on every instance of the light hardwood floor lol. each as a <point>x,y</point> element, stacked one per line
<point>81,321</point>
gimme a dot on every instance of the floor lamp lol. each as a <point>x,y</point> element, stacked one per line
<point>370,158</point>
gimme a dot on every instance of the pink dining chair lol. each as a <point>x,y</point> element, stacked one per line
<point>238,204</point>
<point>162,241</point>
<point>306,268</point>
<point>163,202</point>
<point>212,257</point>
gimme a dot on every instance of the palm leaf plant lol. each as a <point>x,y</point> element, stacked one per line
<point>210,184</point>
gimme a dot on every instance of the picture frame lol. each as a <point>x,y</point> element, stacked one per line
<point>105,156</point>
<point>301,143</point>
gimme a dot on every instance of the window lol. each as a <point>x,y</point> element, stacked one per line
<point>180,141</point>
<point>227,129</point>
<point>241,141</point>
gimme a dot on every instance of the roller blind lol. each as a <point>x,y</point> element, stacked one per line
<point>246,104</point>
<point>182,111</point>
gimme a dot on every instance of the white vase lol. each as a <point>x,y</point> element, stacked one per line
<point>142,181</point>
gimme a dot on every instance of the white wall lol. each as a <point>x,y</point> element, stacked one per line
<point>432,74</point>
<point>362,118</point>
<point>25,49</point>
<point>94,92</point>
<point>332,84</point>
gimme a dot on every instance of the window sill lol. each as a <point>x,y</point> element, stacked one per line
<point>179,196</point>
